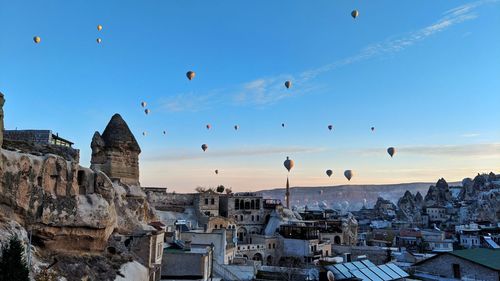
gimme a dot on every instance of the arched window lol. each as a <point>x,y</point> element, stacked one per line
<point>252,204</point>
<point>336,240</point>
<point>236,204</point>
<point>253,218</point>
<point>258,218</point>
<point>241,217</point>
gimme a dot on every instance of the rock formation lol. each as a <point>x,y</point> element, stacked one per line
<point>439,194</point>
<point>410,207</point>
<point>482,196</point>
<point>69,209</point>
<point>384,208</point>
<point>2,101</point>
<point>116,152</point>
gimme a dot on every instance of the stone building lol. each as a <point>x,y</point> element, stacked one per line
<point>116,152</point>
<point>37,137</point>
<point>248,211</point>
<point>470,264</point>
<point>304,242</point>
<point>207,203</point>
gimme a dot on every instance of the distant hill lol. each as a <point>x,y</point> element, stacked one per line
<point>349,197</point>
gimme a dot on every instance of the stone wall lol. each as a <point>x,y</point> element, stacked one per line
<point>170,201</point>
<point>377,255</point>
<point>173,264</point>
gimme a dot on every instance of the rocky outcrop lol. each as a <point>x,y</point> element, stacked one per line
<point>71,211</point>
<point>116,152</point>
<point>68,153</point>
<point>410,207</point>
<point>2,101</point>
<point>42,191</point>
<point>384,209</point>
<point>439,194</point>
<point>482,197</point>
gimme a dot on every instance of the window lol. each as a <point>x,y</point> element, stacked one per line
<point>159,250</point>
<point>253,218</point>
<point>257,204</point>
<point>212,201</point>
<point>258,218</point>
<point>237,204</point>
<point>206,201</point>
<point>274,246</point>
<point>241,217</point>
<point>456,271</point>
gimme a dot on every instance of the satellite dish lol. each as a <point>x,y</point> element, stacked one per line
<point>330,276</point>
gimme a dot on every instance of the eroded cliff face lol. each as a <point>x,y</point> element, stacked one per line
<point>43,193</point>
<point>2,101</point>
<point>74,213</point>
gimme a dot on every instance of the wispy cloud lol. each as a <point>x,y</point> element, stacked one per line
<point>470,135</point>
<point>480,150</point>
<point>231,153</point>
<point>268,90</point>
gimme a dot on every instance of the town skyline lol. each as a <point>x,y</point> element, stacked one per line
<point>354,74</point>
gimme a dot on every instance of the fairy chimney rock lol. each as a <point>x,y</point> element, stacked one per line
<point>116,152</point>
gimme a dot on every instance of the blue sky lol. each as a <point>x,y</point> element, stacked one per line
<point>424,73</point>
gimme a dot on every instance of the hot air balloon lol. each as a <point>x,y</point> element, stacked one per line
<point>329,173</point>
<point>288,163</point>
<point>190,75</point>
<point>208,126</point>
<point>204,147</point>
<point>147,111</point>
<point>164,132</point>
<point>354,14</point>
<point>143,104</point>
<point>283,125</point>
<point>236,127</point>
<point>391,150</point>
<point>348,174</point>
<point>373,129</point>
<point>216,172</point>
<point>288,84</point>
<point>330,127</point>
<point>37,39</point>
<point>99,27</point>
<point>144,133</point>
<point>98,40</point>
